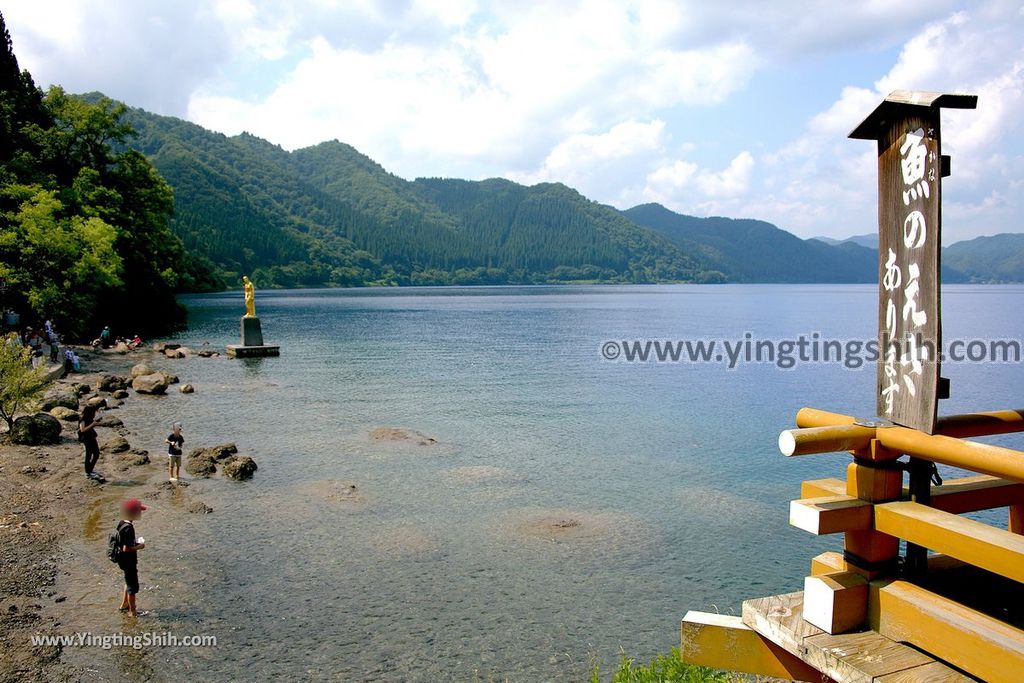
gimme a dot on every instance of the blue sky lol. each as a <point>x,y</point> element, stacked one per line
<point>728,108</point>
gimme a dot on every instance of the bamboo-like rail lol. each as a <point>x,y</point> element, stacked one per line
<point>820,431</point>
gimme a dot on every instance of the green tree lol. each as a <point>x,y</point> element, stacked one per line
<point>20,383</point>
<point>85,238</point>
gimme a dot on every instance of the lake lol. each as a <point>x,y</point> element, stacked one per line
<point>663,480</point>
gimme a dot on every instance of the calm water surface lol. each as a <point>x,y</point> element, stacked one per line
<point>672,469</point>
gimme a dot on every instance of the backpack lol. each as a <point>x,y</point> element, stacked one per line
<point>114,550</point>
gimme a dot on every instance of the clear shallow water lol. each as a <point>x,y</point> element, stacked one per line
<point>437,577</point>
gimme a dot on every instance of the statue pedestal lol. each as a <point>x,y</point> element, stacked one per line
<point>252,341</point>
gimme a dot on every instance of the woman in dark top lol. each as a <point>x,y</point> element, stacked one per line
<point>87,435</point>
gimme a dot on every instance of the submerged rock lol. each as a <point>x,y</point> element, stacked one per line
<point>33,430</point>
<point>198,507</point>
<point>395,434</point>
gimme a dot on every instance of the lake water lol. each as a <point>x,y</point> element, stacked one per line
<point>440,571</point>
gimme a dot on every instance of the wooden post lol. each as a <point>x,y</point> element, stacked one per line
<point>910,169</point>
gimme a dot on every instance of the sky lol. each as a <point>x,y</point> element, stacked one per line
<point>729,108</point>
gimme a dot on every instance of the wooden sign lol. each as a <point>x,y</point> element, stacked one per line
<point>910,171</point>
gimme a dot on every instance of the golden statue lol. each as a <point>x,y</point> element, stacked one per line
<point>250,297</point>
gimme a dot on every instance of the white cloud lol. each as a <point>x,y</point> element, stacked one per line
<point>609,96</point>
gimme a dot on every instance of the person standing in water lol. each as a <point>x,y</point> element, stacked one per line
<point>87,436</point>
<point>174,443</point>
<point>128,559</point>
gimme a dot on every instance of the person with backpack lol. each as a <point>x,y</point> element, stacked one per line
<point>122,549</point>
<point>87,436</point>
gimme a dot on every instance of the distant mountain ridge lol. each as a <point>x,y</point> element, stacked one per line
<point>329,215</point>
<point>746,250</point>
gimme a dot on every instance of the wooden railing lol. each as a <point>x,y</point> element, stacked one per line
<point>871,589</point>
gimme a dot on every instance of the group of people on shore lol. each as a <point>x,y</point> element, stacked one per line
<point>107,339</point>
<point>44,343</point>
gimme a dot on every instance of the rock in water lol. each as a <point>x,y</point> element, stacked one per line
<point>140,370</point>
<point>113,383</point>
<point>198,507</point>
<point>60,396</point>
<point>187,389</point>
<point>116,445</point>
<point>221,452</point>
<point>200,464</point>
<point>120,393</point>
<point>239,467</point>
<point>154,383</point>
<point>65,414</point>
<point>33,430</point>
<point>110,422</point>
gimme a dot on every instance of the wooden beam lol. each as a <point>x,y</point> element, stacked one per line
<point>996,550</point>
<point>981,645</point>
<point>830,514</point>
<point>818,488</point>
<point>837,602</point>
<point>724,642</point>
<point>981,492</point>
<point>831,561</point>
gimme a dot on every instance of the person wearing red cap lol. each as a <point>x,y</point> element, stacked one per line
<point>128,561</point>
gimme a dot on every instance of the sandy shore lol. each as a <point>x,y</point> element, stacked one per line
<point>45,500</point>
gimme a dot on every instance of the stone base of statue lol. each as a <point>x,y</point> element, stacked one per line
<point>252,344</point>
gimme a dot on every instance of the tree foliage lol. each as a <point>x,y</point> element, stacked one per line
<point>84,234</point>
<point>20,383</point>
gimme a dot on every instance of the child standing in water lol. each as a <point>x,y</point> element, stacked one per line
<point>128,559</point>
<point>174,443</point>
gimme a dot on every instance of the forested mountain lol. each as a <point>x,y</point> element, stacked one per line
<point>755,251</point>
<point>998,258</point>
<point>330,215</point>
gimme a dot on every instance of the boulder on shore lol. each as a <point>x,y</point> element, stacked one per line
<point>120,393</point>
<point>154,383</point>
<point>113,383</point>
<point>141,369</point>
<point>37,429</point>
<point>61,395</point>
<point>65,414</point>
<point>118,444</point>
<point>239,467</point>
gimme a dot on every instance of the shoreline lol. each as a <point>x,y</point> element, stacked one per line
<point>50,510</point>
